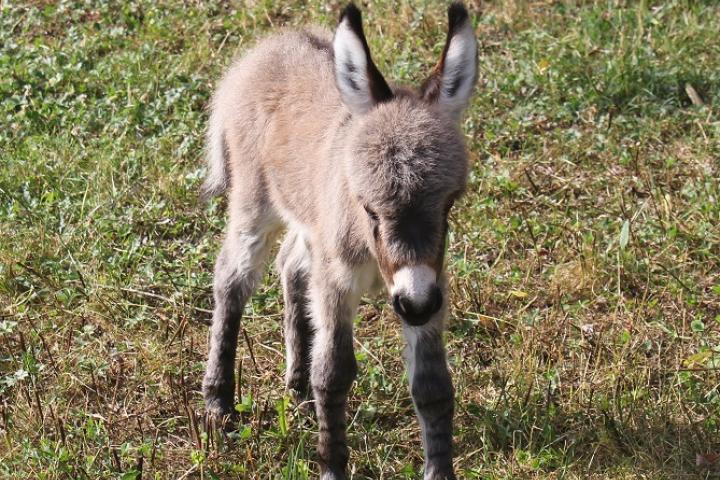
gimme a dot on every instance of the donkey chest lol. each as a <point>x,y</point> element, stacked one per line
<point>368,279</point>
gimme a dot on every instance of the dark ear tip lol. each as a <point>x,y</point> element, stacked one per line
<point>352,13</point>
<point>457,14</point>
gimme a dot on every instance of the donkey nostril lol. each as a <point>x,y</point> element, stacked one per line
<point>396,304</point>
<point>417,314</point>
<point>402,304</point>
<point>436,300</point>
<point>406,305</point>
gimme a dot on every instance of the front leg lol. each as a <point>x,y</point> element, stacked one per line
<point>433,395</point>
<point>333,366</point>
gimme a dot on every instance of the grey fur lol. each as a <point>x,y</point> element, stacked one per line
<point>293,264</point>
<point>363,186</point>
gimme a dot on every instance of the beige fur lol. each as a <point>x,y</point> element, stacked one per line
<point>306,136</point>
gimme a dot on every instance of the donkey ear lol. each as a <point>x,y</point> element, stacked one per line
<point>454,77</point>
<point>360,83</point>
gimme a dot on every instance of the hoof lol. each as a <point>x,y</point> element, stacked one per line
<point>218,401</point>
<point>302,401</point>
<point>300,393</point>
<point>218,409</point>
<point>219,417</point>
<point>297,384</point>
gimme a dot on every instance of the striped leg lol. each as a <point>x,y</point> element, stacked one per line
<point>294,265</point>
<point>237,272</point>
<point>333,368</point>
<point>433,395</point>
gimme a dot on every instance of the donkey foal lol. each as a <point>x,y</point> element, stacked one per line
<point>306,135</point>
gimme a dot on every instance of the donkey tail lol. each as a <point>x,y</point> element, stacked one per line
<point>216,180</point>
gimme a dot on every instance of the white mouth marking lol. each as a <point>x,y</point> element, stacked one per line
<point>414,282</point>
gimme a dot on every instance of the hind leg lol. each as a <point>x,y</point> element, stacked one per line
<point>238,270</point>
<point>294,266</point>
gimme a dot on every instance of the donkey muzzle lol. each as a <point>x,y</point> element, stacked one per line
<point>417,314</point>
<point>416,297</point>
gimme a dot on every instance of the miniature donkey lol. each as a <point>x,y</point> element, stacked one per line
<point>306,135</point>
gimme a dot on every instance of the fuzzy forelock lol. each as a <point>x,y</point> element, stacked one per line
<point>404,150</point>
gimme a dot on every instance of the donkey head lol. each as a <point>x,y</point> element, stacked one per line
<point>406,161</point>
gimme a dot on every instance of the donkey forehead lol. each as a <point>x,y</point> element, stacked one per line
<point>403,152</point>
<point>407,124</point>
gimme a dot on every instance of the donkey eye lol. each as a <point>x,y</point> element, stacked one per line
<point>371,214</point>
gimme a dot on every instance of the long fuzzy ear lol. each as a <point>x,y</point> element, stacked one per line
<point>452,81</point>
<point>361,84</point>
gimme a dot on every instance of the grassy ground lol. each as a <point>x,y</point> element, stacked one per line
<point>585,260</point>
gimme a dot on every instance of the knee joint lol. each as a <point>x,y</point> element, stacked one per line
<point>336,376</point>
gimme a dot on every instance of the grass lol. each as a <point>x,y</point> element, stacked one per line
<point>585,259</point>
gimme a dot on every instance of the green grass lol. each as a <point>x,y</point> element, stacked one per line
<point>585,259</point>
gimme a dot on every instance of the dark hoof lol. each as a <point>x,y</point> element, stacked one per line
<point>302,401</point>
<point>221,418</point>
<point>219,406</point>
<point>218,409</point>
<point>298,383</point>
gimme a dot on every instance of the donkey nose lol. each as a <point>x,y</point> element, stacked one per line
<point>417,313</point>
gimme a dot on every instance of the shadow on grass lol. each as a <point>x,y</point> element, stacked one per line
<point>541,438</point>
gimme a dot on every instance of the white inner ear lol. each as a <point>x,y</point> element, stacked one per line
<point>351,69</point>
<point>459,70</point>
